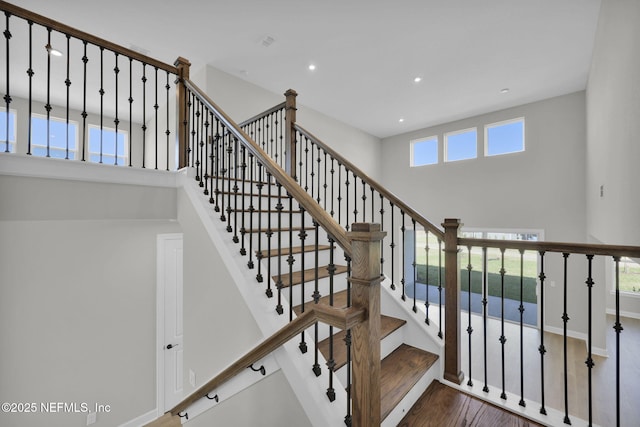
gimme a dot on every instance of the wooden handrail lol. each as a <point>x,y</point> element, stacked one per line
<point>573,248</point>
<point>374,184</point>
<point>302,197</point>
<point>263,114</point>
<point>65,29</point>
<point>343,318</point>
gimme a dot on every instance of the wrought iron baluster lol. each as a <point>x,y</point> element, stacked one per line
<point>521,309</point>
<point>306,164</point>
<point>381,229</point>
<point>290,258</point>
<point>223,171</point>
<point>269,233</point>
<point>198,144</point>
<point>331,364</point>
<point>404,259</point>
<point>414,264</point>
<point>116,121</point>
<point>101,92</point>
<point>155,108</point>
<point>318,161</point>
<point>333,186</point>
<point>485,312</point>
<point>347,342</point>
<point>541,349</point>
<point>502,339</point>
<point>251,208</point>
<point>205,159</point>
<point>243,230</point>
<point>313,165</point>
<point>144,118</point>
<point>346,196</point>
<point>47,106</point>
<point>236,190</point>
<point>85,59</point>
<point>440,288</point>
<point>192,146</point>
<point>30,73</point>
<point>426,268</point>
<point>589,362</point>
<point>229,179</point>
<point>339,219</point>
<point>469,328</point>
<point>7,96</point>
<point>393,252</point>
<point>131,110</point>
<point>355,198</point>
<point>316,294</point>
<point>303,237</point>
<point>326,181</point>
<point>565,320</point>
<point>279,284</point>
<point>168,132</point>
<point>364,202</point>
<point>260,254</point>
<point>67,83</point>
<point>617,327</point>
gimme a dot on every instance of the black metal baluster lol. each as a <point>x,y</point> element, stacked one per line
<point>426,265</point>
<point>541,349</point>
<point>316,295</point>
<point>364,202</point>
<point>303,237</point>
<point>565,320</point>
<point>144,118</point>
<point>101,92</point>
<point>290,258</point>
<point>30,73</point>
<point>7,96</point>
<point>404,259</point>
<point>198,143</point>
<point>155,108</point>
<point>414,264</point>
<point>318,160</point>
<point>192,145</point>
<point>229,179</point>
<point>393,252</point>
<point>67,83</point>
<point>251,208</point>
<point>259,253</point>
<point>306,165</point>
<point>485,312</point>
<point>85,59</point>
<point>205,159</point>
<point>243,230</point>
<point>503,339</point>
<point>355,198</point>
<point>381,229</point>
<point>618,328</point>
<point>313,173</point>
<point>346,196</point>
<point>589,362</point>
<point>333,186</point>
<point>168,132</point>
<point>440,335</point>
<point>347,342</point>
<point>282,150</point>
<point>279,284</point>
<point>339,219</point>
<point>131,110</point>
<point>469,328</point>
<point>331,393</point>
<point>47,106</point>
<point>521,309</point>
<point>217,140</point>
<point>236,190</point>
<point>223,172</point>
<point>269,292</point>
<point>326,182</point>
<point>116,121</point>
<point>372,206</point>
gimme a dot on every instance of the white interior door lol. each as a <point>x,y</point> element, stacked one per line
<point>170,292</point>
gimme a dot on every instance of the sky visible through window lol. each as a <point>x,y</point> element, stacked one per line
<point>425,152</point>
<point>461,145</point>
<point>108,149</point>
<point>3,130</point>
<point>57,137</point>
<point>505,138</point>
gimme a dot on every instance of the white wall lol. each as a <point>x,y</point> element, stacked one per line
<point>77,296</point>
<point>242,100</point>
<point>613,151</point>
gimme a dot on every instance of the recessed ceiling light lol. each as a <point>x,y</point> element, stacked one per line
<point>312,67</point>
<point>505,90</point>
<point>417,79</point>
<point>401,120</point>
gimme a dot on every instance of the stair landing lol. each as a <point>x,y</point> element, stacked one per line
<point>442,406</point>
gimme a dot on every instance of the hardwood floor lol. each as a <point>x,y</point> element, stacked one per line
<point>603,375</point>
<point>442,406</point>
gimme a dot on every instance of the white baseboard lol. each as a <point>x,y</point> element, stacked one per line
<point>598,351</point>
<point>628,314</point>
<point>142,419</point>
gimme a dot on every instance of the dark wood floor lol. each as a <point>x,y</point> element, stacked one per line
<point>442,406</point>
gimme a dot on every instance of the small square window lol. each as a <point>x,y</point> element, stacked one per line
<point>424,151</point>
<point>53,137</point>
<point>461,145</point>
<point>504,137</point>
<point>7,123</point>
<point>103,147</point>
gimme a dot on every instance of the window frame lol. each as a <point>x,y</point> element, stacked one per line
<point>64,121</point>
<point>416,141</point>
<point>454,133</point>
<point>124,157</point>
<point>12,143</point>
<point>503,123</point>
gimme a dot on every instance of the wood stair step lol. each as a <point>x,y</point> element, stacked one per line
<point>400,371</point>
<point>444,406</point>
<point>308,275</point>
<point>387,326</point>
<point>277,230</point>
<point>296,250</point>
<point>273,196</point>
<point>339,301</point>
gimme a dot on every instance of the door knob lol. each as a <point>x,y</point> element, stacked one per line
<point>170,346</point>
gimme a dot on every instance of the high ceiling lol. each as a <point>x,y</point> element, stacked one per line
<point>367,52</point>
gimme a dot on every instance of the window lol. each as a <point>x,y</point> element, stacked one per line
<point>62,139</point>
<point>424,151</point>
<point>103,147</point>
<point>629,276</point>
<point>504,137</point>
<point>7,123</point>
<point>461,145</point>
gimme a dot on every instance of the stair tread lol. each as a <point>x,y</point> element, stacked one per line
<point>399,372</point>
<point>271,211</point>
<point>296,250</point>
<point>307,275</point>
<point>444,406</point>
<point>387,326</point>
<point>339,301</point>
<point>283,196</point>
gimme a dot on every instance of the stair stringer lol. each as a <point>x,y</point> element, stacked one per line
<point>309,389</point>
<point>417,334</point>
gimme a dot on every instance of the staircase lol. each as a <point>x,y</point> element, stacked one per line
<point>300,271</point>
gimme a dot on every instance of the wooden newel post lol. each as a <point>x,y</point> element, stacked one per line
<point>183,115</point>
<point>452,361</point>
<point>365,291</point>
<point>290,133</point>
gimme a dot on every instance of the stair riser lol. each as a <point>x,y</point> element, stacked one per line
<point>339,284</point>
<point>309,261</point>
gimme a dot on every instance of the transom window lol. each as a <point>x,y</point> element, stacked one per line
<point>7,124</point>
<point>424,151</point>
<point>53,137</point>
<point>461,145</point>
<point>105,146</point>
<point>504,137</point>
